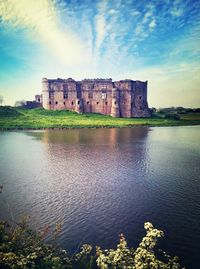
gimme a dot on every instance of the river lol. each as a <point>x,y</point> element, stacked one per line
<point>101,182</point>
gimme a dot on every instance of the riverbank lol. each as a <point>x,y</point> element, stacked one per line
<point>12,118</point>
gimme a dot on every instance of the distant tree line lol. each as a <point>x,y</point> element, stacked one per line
<point>179,110</point>
<point>172,112</point>
<point>27,104</point>
<point>1,100</point>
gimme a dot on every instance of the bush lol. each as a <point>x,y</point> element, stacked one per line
<point>21,248</point>
<point>174,116</point>
<point>7,111</point>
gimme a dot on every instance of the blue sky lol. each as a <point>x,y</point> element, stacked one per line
<point>158,41</point>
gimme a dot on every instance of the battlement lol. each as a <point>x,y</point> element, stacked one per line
<point>97,80</point>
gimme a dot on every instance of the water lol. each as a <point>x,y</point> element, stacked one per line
<point>101,182</point>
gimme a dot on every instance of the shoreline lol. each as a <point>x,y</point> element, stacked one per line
<point>20,119</point>
<point>96,127</point>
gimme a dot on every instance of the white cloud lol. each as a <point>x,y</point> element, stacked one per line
<point>112,11</point>
<point>100,22</point>
<point>177,12</point>
<point>146,25</point>
<point>41,20</point>
<point>100,30</point>
<point>147,16</point>
<point>135,13</point>
<point>152,24</point>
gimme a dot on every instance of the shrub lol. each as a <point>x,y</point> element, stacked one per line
<point>22,248</point>
<point>171,115</point>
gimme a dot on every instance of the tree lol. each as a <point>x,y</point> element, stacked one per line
<point>1,100</point>
<point>20,103</point>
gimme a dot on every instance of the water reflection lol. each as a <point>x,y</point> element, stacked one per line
<point>110,137</point>
<point>101,182</point>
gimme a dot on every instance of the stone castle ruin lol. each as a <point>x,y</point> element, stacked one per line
<point>124,98</point>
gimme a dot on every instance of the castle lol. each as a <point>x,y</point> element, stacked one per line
<point>124,98</point>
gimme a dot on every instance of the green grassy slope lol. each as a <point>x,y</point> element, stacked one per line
<point>19,118</point>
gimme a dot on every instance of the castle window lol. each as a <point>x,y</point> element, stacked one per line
<point>103,95</point>
<point>56,102</point>
<point>106,103</point>
<point>90,95</point>
<point>72,103</point>
<point>114,95</point>
<point>91,86</point>
<point>140,97</point>
<point>51,95</point>
<point>78,102</point>
<point>115,103</point>
<point>38,99</point>
<point>88,102</point>
<point>97,103</point>
<point>65,95</point>
<point>63,103</point>
<point>65,91</point>
<point>50,102</point>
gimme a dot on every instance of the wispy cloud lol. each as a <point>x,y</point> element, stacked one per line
<point>41,20</point>
<point>100,21</point>
<point>152,24</point>
<point>157,40</point>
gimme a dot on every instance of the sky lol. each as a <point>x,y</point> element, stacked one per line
<point>154,40</point>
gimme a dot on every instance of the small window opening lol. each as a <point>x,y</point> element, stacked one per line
<point>56,102</point>
<point>97,103</point>
<point>65,95</point>
<point>51,94</point>
<point>64,103</point>
<point>38,99</point>
<point>106,103</point>
<point>50,102</point>
<point>88,102</point>
<point>78,102</point>
<point>90,95</point>
<point>140,97</point>
<point>72,103</point>
<point>115,102</point>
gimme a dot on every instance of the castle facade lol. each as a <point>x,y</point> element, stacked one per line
<point>124,98</point>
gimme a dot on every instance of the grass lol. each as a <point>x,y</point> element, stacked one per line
<point>39,118</point>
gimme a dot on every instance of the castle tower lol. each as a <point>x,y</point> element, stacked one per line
<point>115,109</point>
<point>45,94</point>
<point>139,101</point>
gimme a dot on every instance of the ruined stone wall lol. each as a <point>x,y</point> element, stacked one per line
<point>125,98</point>
<point>97,95</point>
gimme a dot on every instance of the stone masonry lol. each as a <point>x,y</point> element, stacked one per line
<point>124,98</point>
